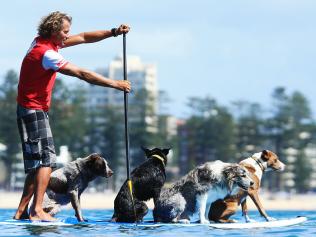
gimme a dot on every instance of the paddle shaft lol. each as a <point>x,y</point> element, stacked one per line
<point>126,110</point>
<point>129,181</point>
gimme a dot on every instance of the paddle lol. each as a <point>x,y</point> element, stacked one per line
<point>129,181</point>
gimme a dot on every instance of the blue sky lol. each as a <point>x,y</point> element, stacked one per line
<point>227,49</point>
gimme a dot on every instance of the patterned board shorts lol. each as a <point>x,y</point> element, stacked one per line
<point>36,137</point>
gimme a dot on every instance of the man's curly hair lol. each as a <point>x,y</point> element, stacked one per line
<point>52,23</point>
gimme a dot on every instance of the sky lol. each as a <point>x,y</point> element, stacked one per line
<point>229,50</point>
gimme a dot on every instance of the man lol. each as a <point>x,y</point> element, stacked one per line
<point>37,77</point>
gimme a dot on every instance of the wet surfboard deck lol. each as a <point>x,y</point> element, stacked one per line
<point>72,221</point>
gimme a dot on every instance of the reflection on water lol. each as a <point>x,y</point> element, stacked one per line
<point>42,230</point>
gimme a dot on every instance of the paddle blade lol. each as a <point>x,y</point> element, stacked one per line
<point>130,187</point>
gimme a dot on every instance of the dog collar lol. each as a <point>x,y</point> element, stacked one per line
<point>159,158</point>
<point>259,162</point>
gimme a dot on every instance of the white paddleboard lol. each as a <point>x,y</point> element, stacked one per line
<point>72,221</point>
<point>35,223</point>
<point>265,224</point>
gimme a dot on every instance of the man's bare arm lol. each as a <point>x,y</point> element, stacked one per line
<point>94,78</point>
<point>94,36</point>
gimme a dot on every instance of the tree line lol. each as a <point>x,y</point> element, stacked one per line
<point>211,131</point>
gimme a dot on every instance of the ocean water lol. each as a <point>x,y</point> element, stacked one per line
<point>101,228</point>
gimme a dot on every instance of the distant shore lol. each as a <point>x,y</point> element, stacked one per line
<point>105,200</point>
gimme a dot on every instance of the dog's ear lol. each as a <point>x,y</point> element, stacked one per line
<point>250,168</point>
<point>96,164</point>
<point>93,158</point>
<point>230,176</point>
<point>230,172</point>
<point>265,155</point>
<point>146,150</point>
<point>166,151</point>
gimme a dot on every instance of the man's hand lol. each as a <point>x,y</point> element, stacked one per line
<point>122,29</point>
<point>123,85</point>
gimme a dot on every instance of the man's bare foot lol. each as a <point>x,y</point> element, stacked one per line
<point>41,216</point>
<point>19,215</point>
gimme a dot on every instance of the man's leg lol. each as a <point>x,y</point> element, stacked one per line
<point>28,191</point>
<point>41,180</point>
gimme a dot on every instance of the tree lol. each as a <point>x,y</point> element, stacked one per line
<point>209,133</point>
<point>291,117</point>
<point>8,126</point>
<point>111,142</point>
<point>249,123</point>
<point>303,170</point>
<point>143,124</point>
<point>68,118</point>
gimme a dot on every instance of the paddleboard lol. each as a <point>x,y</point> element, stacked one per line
<point>266,224</point>
<point>36,223</point>
<point>240,225</point>
<point>249,225</point>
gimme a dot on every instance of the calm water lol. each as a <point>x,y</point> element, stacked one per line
<point>102,229</point>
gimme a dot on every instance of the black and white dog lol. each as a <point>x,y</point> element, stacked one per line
<point>67,184</point>
<point>189,199</point>
<point>147,181</point>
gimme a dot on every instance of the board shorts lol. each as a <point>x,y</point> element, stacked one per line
<point>36,138</point>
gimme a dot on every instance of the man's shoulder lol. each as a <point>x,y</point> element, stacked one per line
<point>39,47</point>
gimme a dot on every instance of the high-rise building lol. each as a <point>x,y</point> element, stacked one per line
<point>142,76</point>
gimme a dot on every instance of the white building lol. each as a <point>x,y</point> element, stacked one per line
<point>64,156</point>
<point>141,76</point>
<point>310,152</point>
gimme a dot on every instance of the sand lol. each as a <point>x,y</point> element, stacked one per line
<point>105,201</point>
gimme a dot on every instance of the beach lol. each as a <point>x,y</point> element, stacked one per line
<point>105,200</point>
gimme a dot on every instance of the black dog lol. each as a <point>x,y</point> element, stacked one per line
<point>147,181</point>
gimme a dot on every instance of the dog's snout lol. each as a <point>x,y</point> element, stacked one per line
<point>282,166</point>
<point>110,173</point>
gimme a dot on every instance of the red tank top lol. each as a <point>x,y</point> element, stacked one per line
<point>38,74</point>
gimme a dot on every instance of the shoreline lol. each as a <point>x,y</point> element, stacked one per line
<point>10,200</point>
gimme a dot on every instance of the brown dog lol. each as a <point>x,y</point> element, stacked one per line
<point>257,164</point>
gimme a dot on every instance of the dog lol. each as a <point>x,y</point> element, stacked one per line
<point>257,165</point>
<point>147,181</point>
<point>67,184</point>
<point>191,197</point>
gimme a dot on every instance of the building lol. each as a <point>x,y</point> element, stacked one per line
<point>288,175</point>
<point>142,76</point>
<point>310,152</point>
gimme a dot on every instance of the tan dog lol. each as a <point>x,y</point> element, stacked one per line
<point>257,164</point>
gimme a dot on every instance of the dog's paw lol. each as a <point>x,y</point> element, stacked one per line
<point>184,221</point>
<point>81,219</point>
<point>231,221</point>
<point>248,219</point>
<point>270,219</point>
<point>204,222</point>
<point>114,219</point>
